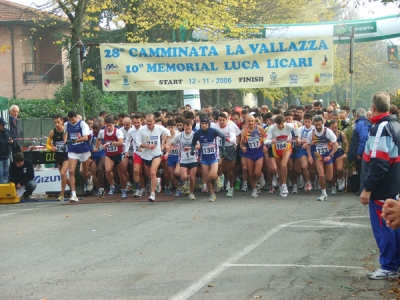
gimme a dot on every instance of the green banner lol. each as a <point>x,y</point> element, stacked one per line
<point>359,28</point>
<point>3,103</point>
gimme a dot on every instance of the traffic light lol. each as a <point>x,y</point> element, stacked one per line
<point>393,53</point>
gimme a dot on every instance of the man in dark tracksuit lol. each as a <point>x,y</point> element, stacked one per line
<point>381,160</point>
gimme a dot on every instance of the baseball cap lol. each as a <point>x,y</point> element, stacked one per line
<point>204,120</point>
<point>2,122</point>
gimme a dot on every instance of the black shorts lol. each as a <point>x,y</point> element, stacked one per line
<point>116,159</point>
<point>190,165</point>
<point>149,162</point>
<point>60,157</point>
<point>270,153</point>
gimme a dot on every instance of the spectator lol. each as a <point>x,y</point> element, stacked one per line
<point>22,174</point>
<point>382,169</point>
<point>393,110</point>
<point>6,145</point>
<point>15,128</point>
<point>358,140</point>
<point>369,114</point>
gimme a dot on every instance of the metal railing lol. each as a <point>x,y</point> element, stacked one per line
<point>43,72</point>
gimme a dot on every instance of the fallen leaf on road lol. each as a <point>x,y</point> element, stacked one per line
<point>310,281</point>
<point>67,216</point>
<point>144,207</point>
<point>206,291</point>
<point>20,233</point>
<point>257,297</point>
<point>252,201</point>
<point>210,285</point>
<point>44,299</point>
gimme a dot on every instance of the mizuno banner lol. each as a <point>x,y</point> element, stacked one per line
<point>257,63</point>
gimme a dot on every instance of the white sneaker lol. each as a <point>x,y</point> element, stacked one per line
<point>254,193</point>
<point>340,184</point>
<point>262,181</point>
<point>228,186</point>
<point>333,191</point>
<point>323,197</point>
<point>284,191</point>
<point>300,182</point>
<point>289,183</point>
<point>138,193</point>
<point>192,197</point>
<point>230,192</point>
<point>221,180</point>
<point>213,198</point>
<point>380,274</point>
<point>274,181</point>
<point>158,186</point>
<point>205,189</point>
<point>73,199</point>
<point>244,187</point>
<point>128,187</point>
<point>90,184</point>
<point>152,197</point>
<point>294,189</point>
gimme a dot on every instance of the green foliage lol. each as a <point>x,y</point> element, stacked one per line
<point>349,133</point>
<point>153,101</point>
<point>39,108</point>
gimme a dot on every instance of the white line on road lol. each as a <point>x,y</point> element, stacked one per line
<point>189,291</point>
<point>293,265</point>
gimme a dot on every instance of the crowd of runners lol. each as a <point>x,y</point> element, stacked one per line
<point>214,149</point>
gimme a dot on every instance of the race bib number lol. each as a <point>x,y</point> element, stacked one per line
<point>254,142</point>
<point>112,148</point>
<point>75,136</point>
<point>322,149</point>
<point>174,151</point>
<point>281,145</point>
<point>208,148</point>
<point>153,140</point>
<point>60,147</point>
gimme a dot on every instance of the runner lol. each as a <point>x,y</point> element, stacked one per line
<point>138,177</point>
<point>127,161</point>
<point>55,143</point>
<point>188,163</point>
<point>280,136</point>
<point>172,161</point>
<point>97,166</point>
<point>339,158</point>
<point>227,165</point>
<point>301,164</point>
<point>322,143</point>
<point>76,134</point>
<point>209,152</point>
<point>112,139</point>
<point>251,143</point>
<point>149,138</point>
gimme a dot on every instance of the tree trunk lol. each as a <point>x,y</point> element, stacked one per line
<point>133,101</point>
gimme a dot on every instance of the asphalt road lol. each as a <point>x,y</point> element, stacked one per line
<point>235,248</point>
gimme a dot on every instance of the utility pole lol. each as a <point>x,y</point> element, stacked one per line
<point>351,68</point>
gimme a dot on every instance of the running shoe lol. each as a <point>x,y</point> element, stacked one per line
<point>158,186</point>
<point>124,194</point>
<point>300,182</point>
<point>274,180</point>
<point>221,180</point>
<point>294,189</point>
<point>152,197</point>
<point>90,184</point>
<point>138,193</point>
<point>167,190</point>
<point>317,185</point>
<point>85,190</point>
<point>230,192</point>
<point>258,187</point>
<point>262,181</point>
<point>237,185</point>
<point>101,192</point>
<point>128,186</point>
<point>60,198</point>
<point>271,190</point>
<point>333,191</point>
<point>254,193</point>
<point>185,188</point>
<point>341,183</point>
<point>112,190</point>
<point>178,193</point>
<point>73,199</point>
<point>308,187</point>
<point>192,197</point>
<point>217,186</point>
<point>284,190</point>
<point>323,197</point>
<point>205,189</point>
<point>213,198</point>
<point>244,187</point>
<point>380,274</point>
<point>228,186</point>
<point>289,183</point>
